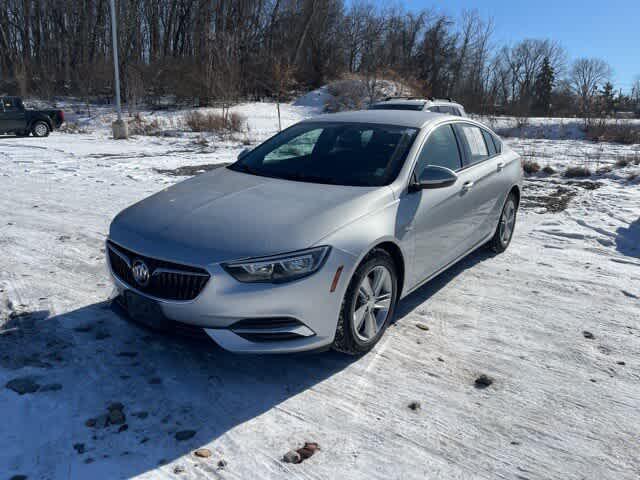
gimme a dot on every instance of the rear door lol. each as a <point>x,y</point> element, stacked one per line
<point>480,179</point>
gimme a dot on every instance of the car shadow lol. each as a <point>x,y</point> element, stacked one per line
<point>433,286</point>
<point>628,239</point>
<point>84,360</point>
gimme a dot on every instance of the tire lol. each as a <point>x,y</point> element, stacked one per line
<point>358,339</point>
<point>40,129</point>
<point>501,238</point>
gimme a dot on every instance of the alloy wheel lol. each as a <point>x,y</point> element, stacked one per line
<point>373,303</point>
<point>507,222</point>
<point>41,130</point>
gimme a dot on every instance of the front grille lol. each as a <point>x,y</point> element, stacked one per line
<point>168,281</point>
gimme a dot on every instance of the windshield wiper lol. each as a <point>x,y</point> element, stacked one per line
<point>310,178</point>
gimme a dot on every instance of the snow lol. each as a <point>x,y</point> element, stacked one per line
<point>560,407</point>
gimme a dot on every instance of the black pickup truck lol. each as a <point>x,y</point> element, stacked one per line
<point>14,118</point>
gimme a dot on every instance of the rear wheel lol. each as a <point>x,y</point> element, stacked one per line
<point>504,231</point>
<point>368,305</point>
<point>40,129</point>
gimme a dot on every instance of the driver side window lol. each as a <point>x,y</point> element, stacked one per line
<point>441,149</point>
<point>11,104</point>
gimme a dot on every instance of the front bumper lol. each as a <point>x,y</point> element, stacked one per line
<point>238,315</point>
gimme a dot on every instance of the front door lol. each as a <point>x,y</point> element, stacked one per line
<point>440,224</point>
<point>13,117</point>
<point>4,121</point>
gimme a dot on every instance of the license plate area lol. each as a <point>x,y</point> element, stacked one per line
<point>144,310</point>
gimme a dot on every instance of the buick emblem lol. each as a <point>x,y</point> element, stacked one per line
<point>140,273</point>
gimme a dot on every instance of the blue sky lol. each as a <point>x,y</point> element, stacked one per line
<point>587,28</point>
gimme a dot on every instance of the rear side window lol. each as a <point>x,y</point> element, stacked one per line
<point>441,149</point>
<point>473,143</point>
<point>498,143</point>
<point>489,141</point>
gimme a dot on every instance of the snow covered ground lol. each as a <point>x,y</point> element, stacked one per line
<point>555,322</point>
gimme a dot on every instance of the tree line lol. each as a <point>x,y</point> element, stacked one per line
<point>226,50</point>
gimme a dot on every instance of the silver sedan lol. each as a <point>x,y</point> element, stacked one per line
<point>309,240</point>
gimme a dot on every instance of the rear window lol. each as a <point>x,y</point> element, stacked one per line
<point>397,106</point>
<point>448,109</point>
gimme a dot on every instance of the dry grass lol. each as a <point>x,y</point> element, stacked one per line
<point>530,167</point>
<point>346,95</point>
<point>214,122</point>
<point>623,162</point>
<point>71,127</point>
<point>202,141</point>
<point>601,130</point>
<point>577,171</point>
<point>140,125</point>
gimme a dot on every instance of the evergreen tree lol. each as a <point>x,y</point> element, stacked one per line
<point>545,81</point>
<point>608,98</point>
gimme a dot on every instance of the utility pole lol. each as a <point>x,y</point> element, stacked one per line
<point>120,130</point>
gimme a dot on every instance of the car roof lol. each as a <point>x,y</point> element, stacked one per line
<point>403,101</point>
<point>402,118</point>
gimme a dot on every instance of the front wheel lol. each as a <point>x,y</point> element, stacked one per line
<point>368,305</point>
<point>504,231</point>
<point>40,129</point>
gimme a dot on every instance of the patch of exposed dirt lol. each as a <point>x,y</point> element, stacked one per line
<point>555,201</point>
<point>585,184</point>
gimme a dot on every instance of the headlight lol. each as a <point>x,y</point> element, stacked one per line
<point>278,268</point>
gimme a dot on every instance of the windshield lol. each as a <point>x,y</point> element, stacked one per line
<point>340,153</point>
<point>397,106</point>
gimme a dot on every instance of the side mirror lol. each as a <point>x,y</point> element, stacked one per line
<point>434,176</point>
<point>243,153</point>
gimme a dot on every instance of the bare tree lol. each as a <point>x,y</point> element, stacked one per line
<point>587,74</point>
<point>203,51</point>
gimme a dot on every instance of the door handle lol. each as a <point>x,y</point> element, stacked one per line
<point>500,166</point>
<point>467,185</point>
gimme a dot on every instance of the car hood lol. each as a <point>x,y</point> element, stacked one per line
<point>226,215</point>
